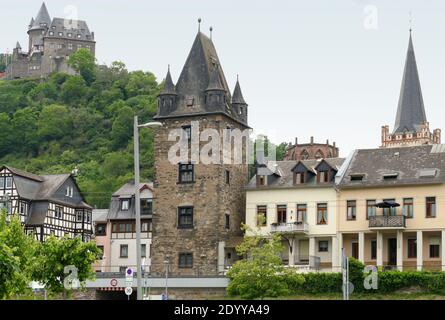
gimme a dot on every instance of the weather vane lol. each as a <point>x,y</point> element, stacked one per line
<point>410,22</point>
<point>199,24</point>
<point>211,29</point>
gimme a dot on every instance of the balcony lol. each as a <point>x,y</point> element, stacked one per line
<point>387,222</point>
<point>290,227</point>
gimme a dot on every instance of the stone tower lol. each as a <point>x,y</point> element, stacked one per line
<point>411,127</point>
<point>198,208</point>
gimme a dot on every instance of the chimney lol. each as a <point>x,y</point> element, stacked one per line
<point>327,142</point>
<point>296,140</point>
<point>312,140</point>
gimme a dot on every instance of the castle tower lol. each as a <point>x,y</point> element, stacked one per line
<point>38,28</point>
<point>199,207</point>
<point>411,126</point>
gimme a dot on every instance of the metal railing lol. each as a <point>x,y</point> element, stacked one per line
<point>290,227</point>
<point>397,221</point>
<point>312,262</point>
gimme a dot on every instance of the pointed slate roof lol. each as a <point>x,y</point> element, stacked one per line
<point>237,94</point>
<point>410,111</point>
<point>17,45</point>
<point>42,17</point>
<point>31,23</point>
<point>169,87</point>
<point>214,82</point>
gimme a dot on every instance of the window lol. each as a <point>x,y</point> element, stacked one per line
<point>370,208</point>
<point>323,176</point>
<point>322,213</point>
<point>128,227</point>
<point>187,132</point>
<point>227,221</point>
<point>281,213</point>
<point>351,207</point>
<point>51,33</point>
<point>300,177</point>
<point>101,248</point>
<point>146,206</point>
<point>69,192</point>
<point>389,211</point>
<point>185,260</point>
<point>70,46</point>
<point>79,216</point>
<point>323,246</point>
<point>227,176</point>
<point>22,208</point>
<point>70,35</point>
<point>261,215</point>
<point>115,227</point>
<point>8,182</point>
<point>125,204</point>
<point>261,180</point>
<point>60,34</point>
<point>59,46</point>
<point>408,207</point>
<point>58,212</point>
<point>79,36</point>
<point>124,251</point>
<point>190,102</point>
<point>431,207</point>
<point>434,251</point>
<point>186,173</point>
<point>2,182</point>
<point>101,229</point>
<point>122,269</point>
<point>412,248</point>
<point>373,249</point>
<point>356,177</point>
<point>301,213</point>
<point>143,250</point>
<point>185,217</point>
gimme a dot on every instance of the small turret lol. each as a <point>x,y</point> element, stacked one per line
<point>168,95</point>
<point>238,103</point>
<point>31,23</point>
<point>215,92</point>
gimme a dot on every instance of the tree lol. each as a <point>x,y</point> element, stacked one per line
<point>17,257</point>
<point>141,83</point>
<point>84,63</point>
<point>24,124</point>
<point>6,137</point>
<point>122,129</point>
<point>73,90</point>
<point>54,122</point>
<point>58,256</point>
<point>261,273</point>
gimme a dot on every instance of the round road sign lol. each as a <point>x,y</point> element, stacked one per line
<point>113,282</point>
<point>128,291</point>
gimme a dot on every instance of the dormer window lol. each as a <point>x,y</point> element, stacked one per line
<point>79,36</point>
<point>51,33</point>
<point>357,177</point>
<point>125,204</point>
<point>390,176</point>
<point>300,177</point>
<point>70,35</point>
<point>60,34</point>
<point>323,176</point>
<point>69,191</point>
<point>261,180</point>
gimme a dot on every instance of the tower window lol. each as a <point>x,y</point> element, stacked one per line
<point>227,176</point>
<point>227,221</point>
<point>185,217</point>
<point>185,260</point>
<point>186,173</point>
<point>190,102</point>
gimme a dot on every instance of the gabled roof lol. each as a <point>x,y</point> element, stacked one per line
<point>24,174</point>
<point>410,110</point>
<point>413,165</point>
<point>127,191</point>
<point>65,26</point>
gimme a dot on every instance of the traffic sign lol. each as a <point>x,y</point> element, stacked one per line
<point>128,291</point>
<point>129,273</point>
<point>113,282</point>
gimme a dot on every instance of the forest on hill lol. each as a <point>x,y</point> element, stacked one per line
<point>56,124</point>
<point>83,121</point>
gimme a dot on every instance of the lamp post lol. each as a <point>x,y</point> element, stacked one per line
<point>137,199</point>
<point>167,263</point>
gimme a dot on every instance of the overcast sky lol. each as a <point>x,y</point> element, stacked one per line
<point>331,69</point>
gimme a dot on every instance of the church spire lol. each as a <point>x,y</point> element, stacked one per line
<point>410,110</point>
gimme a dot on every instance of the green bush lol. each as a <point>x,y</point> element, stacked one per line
<point>356,275</point>
<point>319,283</point>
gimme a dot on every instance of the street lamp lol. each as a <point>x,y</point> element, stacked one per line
<point>167,263</point>
<point>137,199</point>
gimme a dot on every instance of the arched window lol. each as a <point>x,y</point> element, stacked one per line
<point>319,155</point>
<point>304,155</point>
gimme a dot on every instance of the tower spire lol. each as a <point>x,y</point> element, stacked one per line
<point>169,87</point>
<point>410,110</point>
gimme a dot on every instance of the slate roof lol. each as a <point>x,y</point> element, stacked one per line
<point>65,26</point>
<point>282,175</point>
<point>202,70</point>
<point>169,87</point>
<point>126,192</point>
<point>42,17</point>
<point>410,110</point>
<point>237,94</point>
<point>411,165</point>
<point>100,215</point>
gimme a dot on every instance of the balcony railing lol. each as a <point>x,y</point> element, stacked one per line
<point>397,221</point>
<point>290,227</point>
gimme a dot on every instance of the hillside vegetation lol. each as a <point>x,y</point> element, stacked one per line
<point>86,121</point>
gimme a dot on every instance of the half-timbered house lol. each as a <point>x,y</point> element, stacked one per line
<point>47,204</point>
